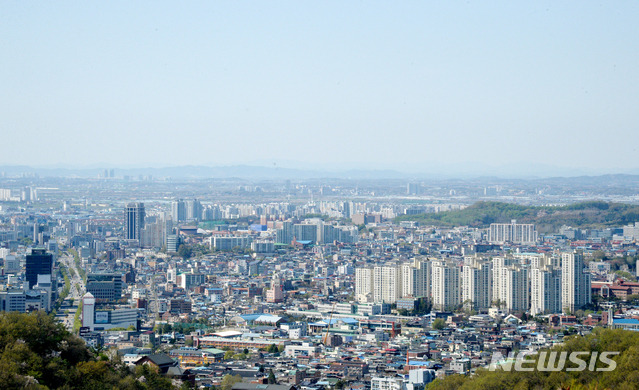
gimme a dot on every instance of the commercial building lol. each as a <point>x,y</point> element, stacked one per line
<point>105,286</point>
<point>134,221</point>
<point>38,262</point>
<point>13,300</point>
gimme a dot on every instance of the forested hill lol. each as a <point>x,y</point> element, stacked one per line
<point>625,373</point>
<point>547,218</point>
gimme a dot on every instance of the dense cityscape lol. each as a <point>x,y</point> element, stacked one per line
<point>313,284</point>
<point>285,195</point>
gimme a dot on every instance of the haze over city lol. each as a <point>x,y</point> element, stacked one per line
<point>282,195</point>
<point>506,88</point>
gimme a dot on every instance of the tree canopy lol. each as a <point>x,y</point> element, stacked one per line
<point>439,324</point>
<point>37,352</point>
<point>548,218</point>
<point>624,376</point>
<point>229,380</point>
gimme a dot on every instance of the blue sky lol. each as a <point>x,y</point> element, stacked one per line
<point>397,85</point>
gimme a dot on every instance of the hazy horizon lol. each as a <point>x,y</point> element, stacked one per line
<point>301,171</point>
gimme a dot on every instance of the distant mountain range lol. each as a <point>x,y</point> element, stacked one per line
<point>281,173</point>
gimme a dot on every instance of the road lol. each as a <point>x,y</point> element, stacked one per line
<point>76,292</point>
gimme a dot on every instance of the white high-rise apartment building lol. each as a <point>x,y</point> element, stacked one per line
<point>631,231</point>
<point>445,278</point>
<point>545,290</point>
<point>387,284</point>
<point>532,259</point>
<point>517,288</point>
<point>364,284</point>
<point>499,263</point>
<point>409,279</point>
<point>423,276</point>
<point>517,233</point>
<point>575,282</point>
<point>391,282</point>
<point>511,284</point>
<point>178,210</point>
<point>477,283</point>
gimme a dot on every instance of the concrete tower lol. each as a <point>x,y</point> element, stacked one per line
<point>88,310</point>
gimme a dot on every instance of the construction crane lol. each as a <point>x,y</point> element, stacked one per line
<point>328,327</point>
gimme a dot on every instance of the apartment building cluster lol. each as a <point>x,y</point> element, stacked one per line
<point>535,283</point>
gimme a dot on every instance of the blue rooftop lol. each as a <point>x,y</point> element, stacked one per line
<point>625,321</point>
<point>250,317</point>
<point>419,363</point>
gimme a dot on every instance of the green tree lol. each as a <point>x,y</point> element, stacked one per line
<point>424,306</point>
<point>152,377</point>
<point>271,378</point>
<point>632,299</point>
<point>624,376</point>
<point>229,380</point>
<point>39,353</point>
<point>185,251</point>
<point>626,275</point>
<point>439,324</point>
